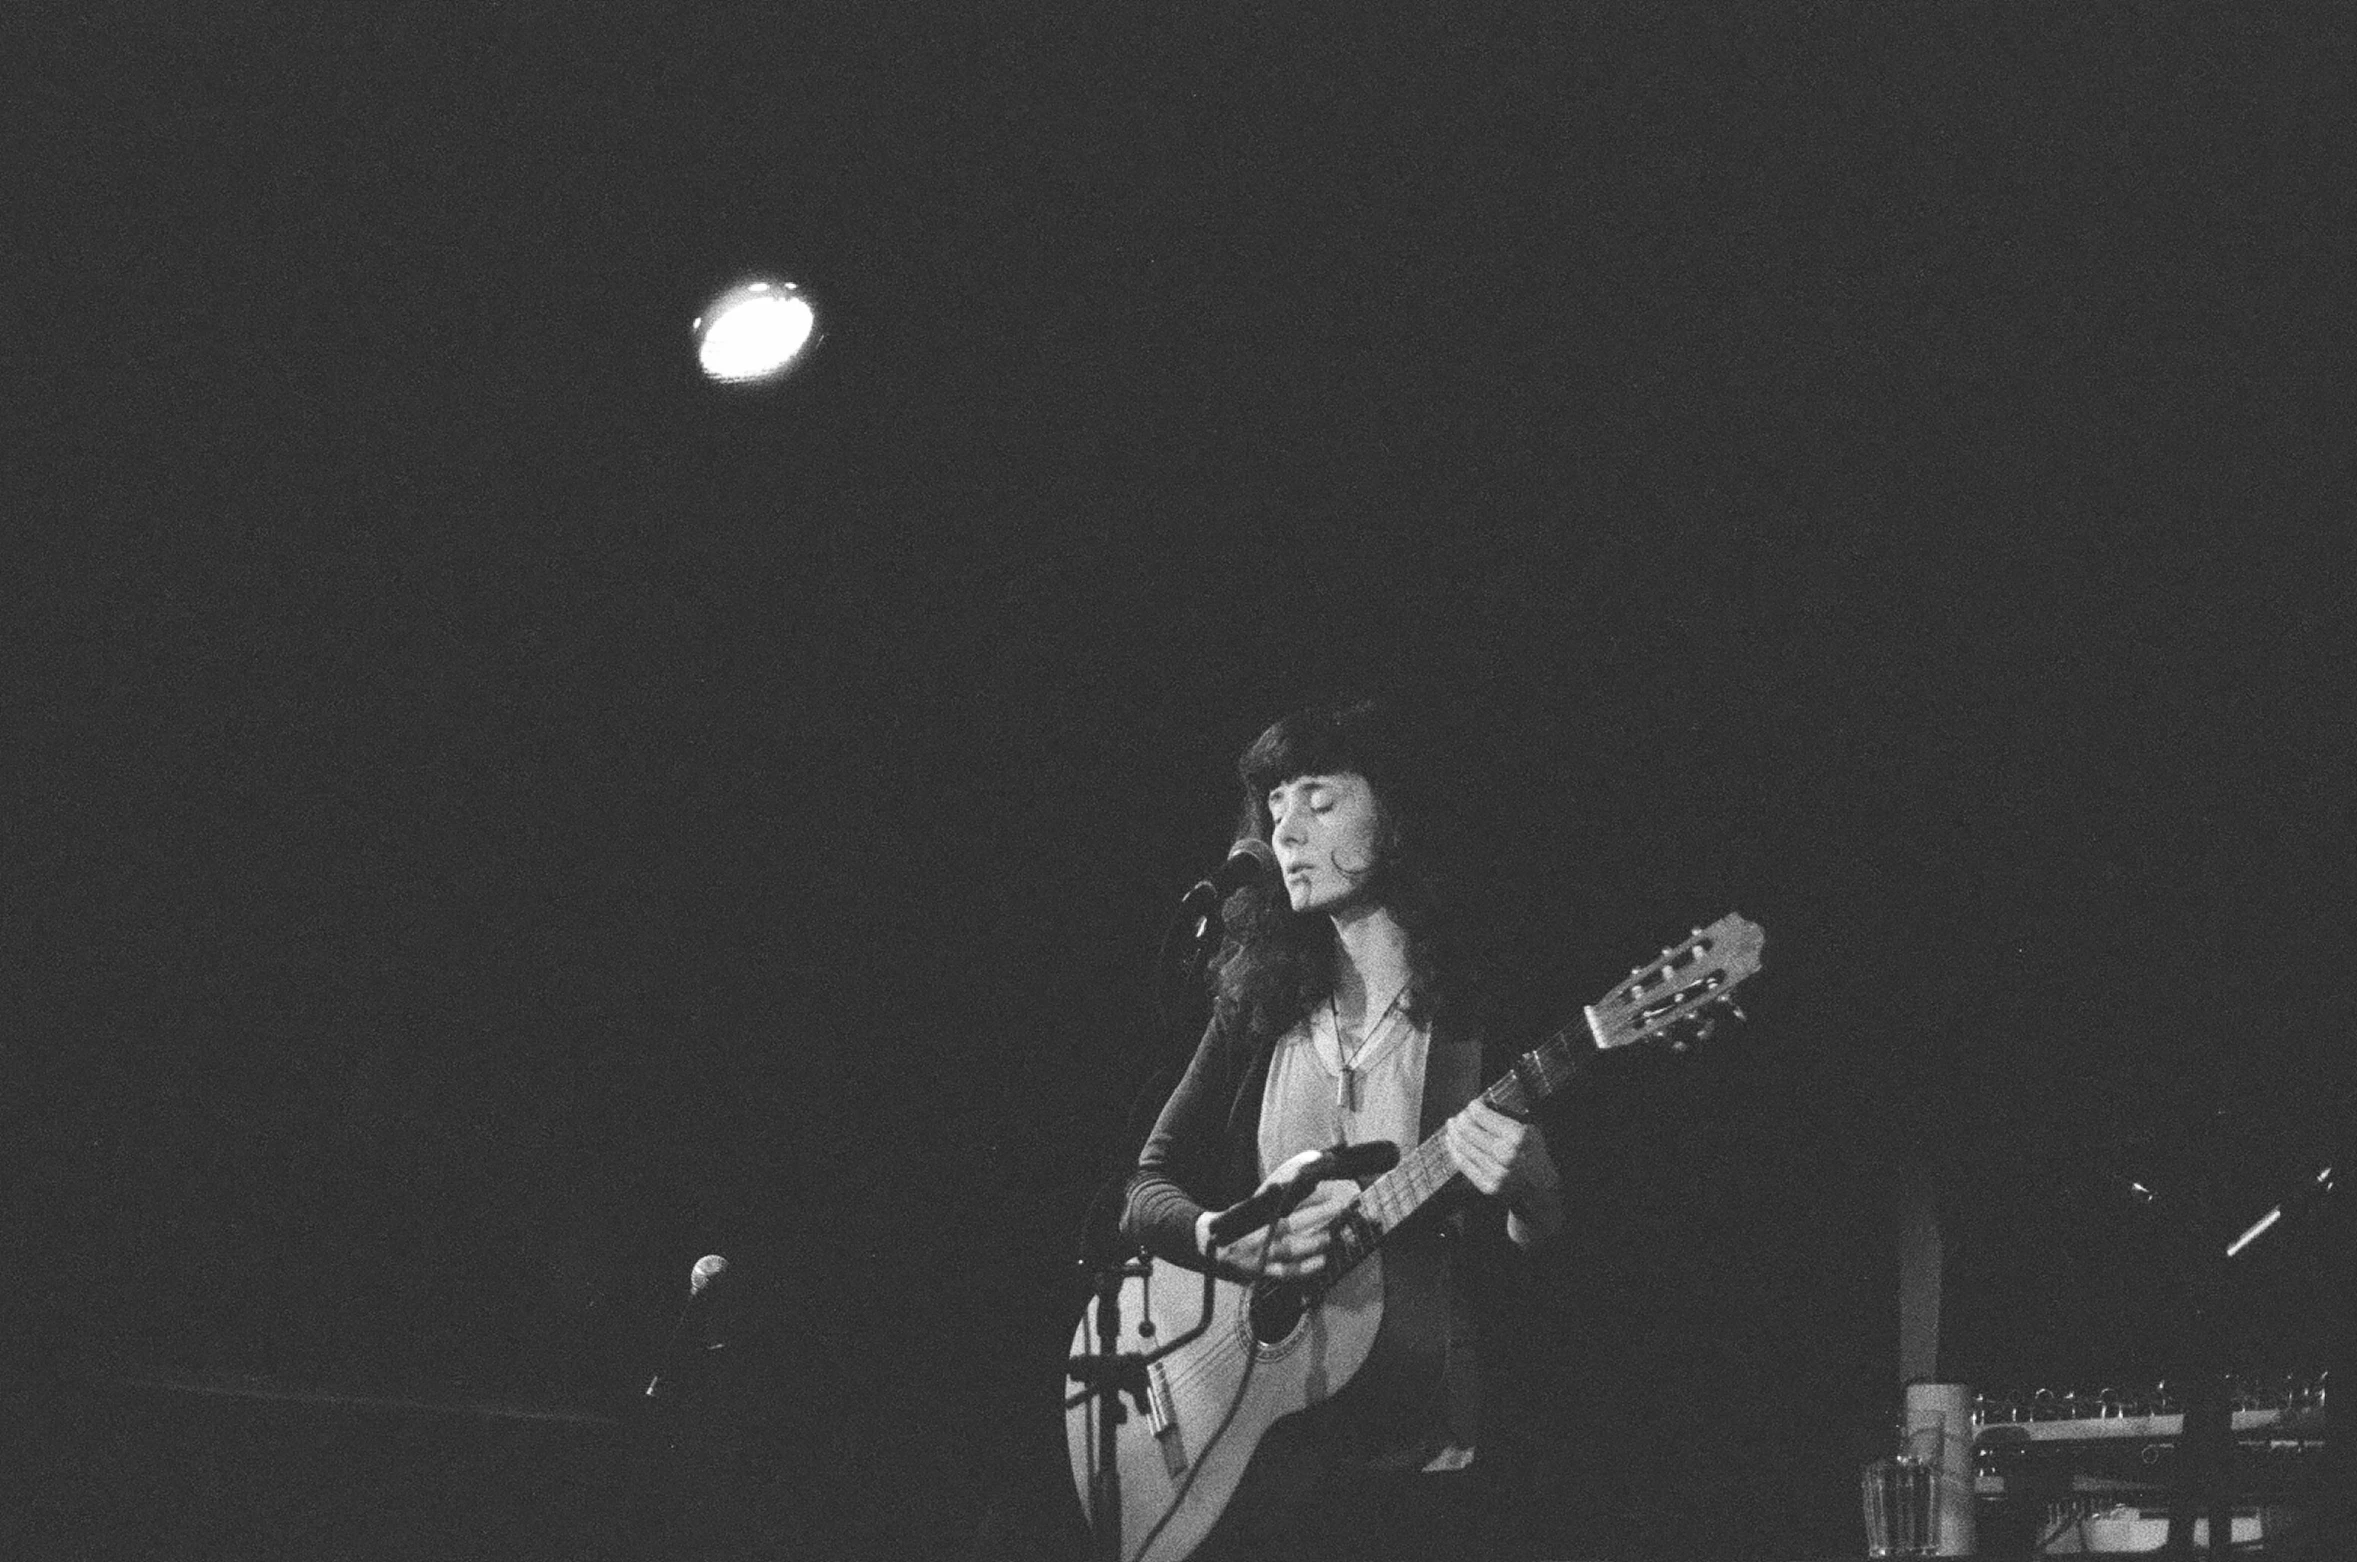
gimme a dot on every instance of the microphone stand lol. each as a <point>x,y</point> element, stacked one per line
<point>662,1441</point>
<point>1108,1372</point>
<point>2202,1488</point>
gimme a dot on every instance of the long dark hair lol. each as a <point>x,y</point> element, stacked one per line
<point>1274,967</point>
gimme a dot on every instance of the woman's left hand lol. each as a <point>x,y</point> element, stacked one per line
<point>1507,1159</point>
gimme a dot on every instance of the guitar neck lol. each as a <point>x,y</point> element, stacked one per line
<point>1422,1173</point>
<point>1686,986</point>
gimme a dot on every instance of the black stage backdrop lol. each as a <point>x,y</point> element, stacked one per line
<point>491,818</point>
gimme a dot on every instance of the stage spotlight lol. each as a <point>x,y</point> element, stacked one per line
<point>754,331</point>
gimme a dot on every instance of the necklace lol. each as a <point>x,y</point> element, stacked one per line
<point>1346,1088</point>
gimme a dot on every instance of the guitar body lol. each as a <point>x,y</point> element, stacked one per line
<point>1380,1332</point>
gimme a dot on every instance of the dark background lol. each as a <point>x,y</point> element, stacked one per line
<point>491,817</point>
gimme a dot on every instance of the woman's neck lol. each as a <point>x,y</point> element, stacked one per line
<point>1371,960</point>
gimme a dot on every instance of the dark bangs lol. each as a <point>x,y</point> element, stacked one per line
<point>1350,739</point>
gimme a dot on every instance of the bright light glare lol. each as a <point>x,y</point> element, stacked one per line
<point>753,332</point>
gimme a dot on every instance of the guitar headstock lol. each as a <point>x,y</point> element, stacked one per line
<point>1684,991</point>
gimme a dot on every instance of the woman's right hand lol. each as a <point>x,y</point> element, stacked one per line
<point>1295,1247</point>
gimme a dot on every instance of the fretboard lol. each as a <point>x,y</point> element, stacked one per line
<point>1422,1173</point>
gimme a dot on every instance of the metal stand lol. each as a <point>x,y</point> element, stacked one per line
<point>2205,1448</point>
<point>1106,1374</point>
<point>665,1439</point>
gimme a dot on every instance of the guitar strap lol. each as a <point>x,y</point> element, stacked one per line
<point>1452,1077</point>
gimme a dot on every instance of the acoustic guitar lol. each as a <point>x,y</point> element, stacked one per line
<point>1204,1392</point>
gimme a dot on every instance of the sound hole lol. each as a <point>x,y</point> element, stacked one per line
<point>1276,1310</point>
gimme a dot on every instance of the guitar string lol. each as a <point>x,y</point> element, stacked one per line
<point>1384,1210</point>
<point>1425,1169</point>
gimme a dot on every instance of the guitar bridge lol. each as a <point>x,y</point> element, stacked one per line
<point>1158,1412</point>
<point>1162,1420</point>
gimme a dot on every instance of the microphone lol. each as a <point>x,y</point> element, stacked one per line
<point>699,1284</point>
<point>1292,1182</point>
<point>1250,861</point>
<point>1192,932</point>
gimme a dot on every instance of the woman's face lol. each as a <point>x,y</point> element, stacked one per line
<point>1325,829</point>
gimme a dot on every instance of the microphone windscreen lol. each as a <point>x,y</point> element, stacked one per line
<point>1250,861</point>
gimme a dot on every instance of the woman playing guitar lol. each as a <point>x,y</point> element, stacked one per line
<point>1348,1010</point>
